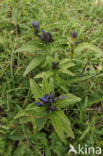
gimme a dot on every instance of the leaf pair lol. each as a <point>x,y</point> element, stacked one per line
<point>46,87</point>
<point>62,125</point>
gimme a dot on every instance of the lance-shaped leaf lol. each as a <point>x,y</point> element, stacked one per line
<point>67,65</point>
<point>20,150</point>
<point>51,84</point>
<point>37,112</point>
<point>42,74</point>
<point>3,129</point>
<point>67,101</point>
<point>33,64</point>
<point>65,71</point>
<point>31,111</point>
<point>78,50</point>
<point>35,89</point>
<point>62,125</point>
<point>40,123</point>
<point>57,124</point>
<point>30,46</point>
<point>63,61</point>
<point>66,123</point>
<point>47,86</point>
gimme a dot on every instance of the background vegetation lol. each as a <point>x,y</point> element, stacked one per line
<point>18,46</point>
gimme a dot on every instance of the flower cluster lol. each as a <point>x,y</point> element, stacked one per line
<point>46,37</point>
<point>55,65</point>
<point>48,101</point>
<point>76,43</point>
<point>36,27</point>
<point>74,34</point>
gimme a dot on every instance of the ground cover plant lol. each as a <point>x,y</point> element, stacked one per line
<point>51,72</point>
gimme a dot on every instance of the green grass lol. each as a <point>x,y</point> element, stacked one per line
<point>60,18</point>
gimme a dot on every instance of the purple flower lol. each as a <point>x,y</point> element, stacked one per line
<point>48,101</point>
<point>74,34</point>
<point>37,24</point>
<point>32,23</point>
<point>38,104</point>
<point>45,98</point>
<point>43,31</point>
<point>52,109</point>
<point>61,97</point>
<point>46,37</point>
<point>76,43</point>
<point>51,94</point>
<point>55,65</point>
<point>36,27</point>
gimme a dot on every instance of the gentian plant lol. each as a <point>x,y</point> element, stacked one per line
<point>47,106</point>
<point>51,96</point>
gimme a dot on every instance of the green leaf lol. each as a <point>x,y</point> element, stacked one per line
<point>20,114</point>
<point>33,64</point>
<point>34,126</point>
<point>65,71</point>
<point>60,81</point>
<point>64,88</point>
<point>3,129</point>
<point>2,146</point>
<point>35,89</point>
<point>2,41</point>
<point>67,65</point>
<point>51,84</point>
<point>34,108</point>
<point>47,86</point>
<point>86,45</point>
<point>20,150</point>
<point>95,101</point>
<point>87,130</point>
<point>26,119</point>
<point>57,124</point>
<point>63,61</point>
<point>75,80</point>
<point>42,74</point>
<point>63,117</point>
<point>29,113</point>
<point>66,123</point>
<point>40,123</point>
<point>37,112</point>
<point>13,135</point>
<point>1,101</point>
<point>62,125</point>
<point>70,99</point>
<point>30,46</point>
